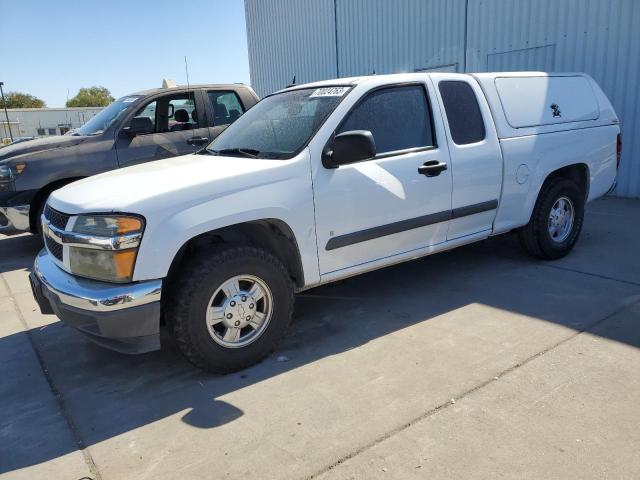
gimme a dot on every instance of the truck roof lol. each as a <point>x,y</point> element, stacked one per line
<point>521,103</point>
<point>403,77</point>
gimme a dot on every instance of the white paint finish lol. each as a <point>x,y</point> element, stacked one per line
<point>542,154</point>
<point>476,167</point>
<point>404,256</point>
<point>527,102</point>
<point>377,192</point>
<point>183,197</point>
<point>505,129</point>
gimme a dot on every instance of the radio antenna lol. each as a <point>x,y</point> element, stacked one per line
<point>186,69</point>
<point>189,96</point>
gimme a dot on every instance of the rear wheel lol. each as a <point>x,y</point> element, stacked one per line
<point>230,310</point>
<point>556,221</point>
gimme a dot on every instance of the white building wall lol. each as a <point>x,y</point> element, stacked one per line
<point>26,122</point>
<point>320,39</point>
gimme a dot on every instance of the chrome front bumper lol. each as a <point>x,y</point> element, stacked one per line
<point>14,219</point>
<point>123,317</point>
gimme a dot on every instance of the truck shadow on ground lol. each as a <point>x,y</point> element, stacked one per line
<point>108,394</point>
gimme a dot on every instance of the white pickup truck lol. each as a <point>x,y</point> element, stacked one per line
<point>316,183</point>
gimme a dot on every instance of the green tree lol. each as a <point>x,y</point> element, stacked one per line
<point>91,97</point>
<point>21,100</point>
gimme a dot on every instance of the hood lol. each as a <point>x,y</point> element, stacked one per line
<point>165,184</point>
<point>40,145</point>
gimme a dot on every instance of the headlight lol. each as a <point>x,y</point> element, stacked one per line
<point>104,247</point>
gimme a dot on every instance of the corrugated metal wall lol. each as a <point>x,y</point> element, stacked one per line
<point>600,37</point>
<point>287,38</point>
<point>398,36</point>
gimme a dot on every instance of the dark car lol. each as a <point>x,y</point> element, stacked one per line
<point>144,126</point>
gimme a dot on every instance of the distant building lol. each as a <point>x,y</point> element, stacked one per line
<point>42,122</point>
<point>321,39</point>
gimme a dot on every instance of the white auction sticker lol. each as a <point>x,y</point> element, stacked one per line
<point>329,92</point>
<point>129,99</point>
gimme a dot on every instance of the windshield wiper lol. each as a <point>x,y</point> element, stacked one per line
<point>245,152</point>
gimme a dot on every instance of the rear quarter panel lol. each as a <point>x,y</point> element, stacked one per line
<point>531,153</point>
<point>529,160</point>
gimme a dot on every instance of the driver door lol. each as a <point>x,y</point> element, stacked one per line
<point>376,209</point>
<point>179,123</point>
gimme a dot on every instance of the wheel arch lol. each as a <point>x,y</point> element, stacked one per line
<point>577,172</point>
<point>271,234</point>
<point>42,195</point>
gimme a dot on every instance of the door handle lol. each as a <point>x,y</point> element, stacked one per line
<point>198,140</point>
<point>432,168</point>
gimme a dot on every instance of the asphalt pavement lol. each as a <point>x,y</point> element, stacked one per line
<point>475,363</point>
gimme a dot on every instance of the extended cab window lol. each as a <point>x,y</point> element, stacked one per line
<point>397,117</point>
<point>463,112</point>
<point>226,107</point>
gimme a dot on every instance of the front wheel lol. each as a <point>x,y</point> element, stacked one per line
<point>556,221</point>
<point>228,311</point>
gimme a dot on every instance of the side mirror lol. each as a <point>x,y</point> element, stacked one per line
<point>139,126</point>
<point>349,147</point>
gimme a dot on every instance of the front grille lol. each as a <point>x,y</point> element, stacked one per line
<point>54,248</point>
<point>57,219</point>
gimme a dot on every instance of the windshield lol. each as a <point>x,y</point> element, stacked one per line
<point>106,117</point>
<point>280,125</point>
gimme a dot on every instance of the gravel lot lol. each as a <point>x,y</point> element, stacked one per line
<point>476,363</point>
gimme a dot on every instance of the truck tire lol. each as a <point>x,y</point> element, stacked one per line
<point>556,221</point>
<point>228,311</point>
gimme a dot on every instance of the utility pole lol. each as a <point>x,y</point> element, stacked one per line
<point>6,114</point>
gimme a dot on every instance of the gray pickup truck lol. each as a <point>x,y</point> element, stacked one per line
<point>141,127</point>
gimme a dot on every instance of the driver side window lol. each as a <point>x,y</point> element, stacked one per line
<point>398,118</point>
<point>170,113</point>
<point>149,111</point>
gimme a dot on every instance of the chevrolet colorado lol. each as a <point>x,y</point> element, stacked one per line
<point>314,184</point>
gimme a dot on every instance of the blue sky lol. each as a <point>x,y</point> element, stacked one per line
<point>48,47</point>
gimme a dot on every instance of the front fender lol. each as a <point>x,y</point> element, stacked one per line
<point>50,166</point>
<point>289,201</point>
